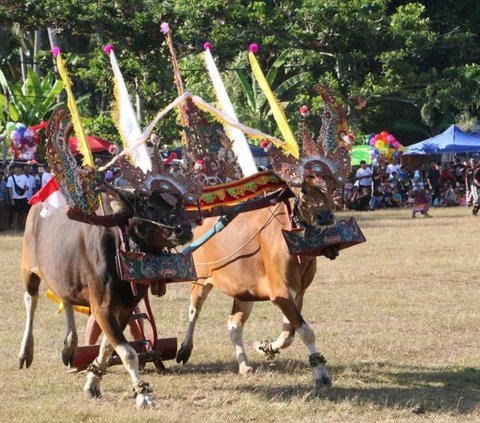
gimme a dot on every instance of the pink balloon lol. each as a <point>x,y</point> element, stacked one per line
<point>390,138</point>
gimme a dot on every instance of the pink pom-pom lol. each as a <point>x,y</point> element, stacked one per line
<point>55,51</point>
<point>164,28</point>
<point>253,48</point>
<point>107,48</point>
<point>208,45</point>
<point>304,111</point>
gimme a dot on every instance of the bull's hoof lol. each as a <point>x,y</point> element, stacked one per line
<point>25,357</point>
<point>325,382</point>
<point>92,392</point>
<point>265,348</point>
<point>322,378</point>
<point>183,355</point>
<point>244,369</point>
<point>25,360</point>
<point>144,402</point>
<point>67,356</point>
<point>69,348</point>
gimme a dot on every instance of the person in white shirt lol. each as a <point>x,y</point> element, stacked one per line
<point>46,175</point>
<point>31,182</point>
<point>364,178</point>
<point>17,185</point>
<point>393,167</point>
<point>364,175</point>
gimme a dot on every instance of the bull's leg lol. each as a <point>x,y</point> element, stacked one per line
<point>30,298</point>
<point>198,297</point>
<point>114,333</point>
<point>71,337</point>
<point>270,348</point>
<point>317,361</point>
<point>240,312</point>
<point>97,369</point>
<point>92,331</point>
<point>99,366</point>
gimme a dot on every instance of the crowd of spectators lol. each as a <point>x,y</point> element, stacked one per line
<point>393,186</point>
<point>17,185</point>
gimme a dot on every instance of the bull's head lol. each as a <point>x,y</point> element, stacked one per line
<point>156,201</point>
<point>324,165</point>
<point>157,221</point>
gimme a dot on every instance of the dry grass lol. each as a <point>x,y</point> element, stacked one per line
<point>398,319</point>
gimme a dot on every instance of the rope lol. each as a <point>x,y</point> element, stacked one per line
<point>267,222</point>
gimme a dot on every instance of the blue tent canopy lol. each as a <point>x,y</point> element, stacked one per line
<point>453,140</point>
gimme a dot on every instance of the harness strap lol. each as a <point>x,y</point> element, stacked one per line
<point>293,224</point>
<point>290,212</point>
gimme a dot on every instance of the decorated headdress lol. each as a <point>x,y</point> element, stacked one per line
<point>77,183</point>
<point>203,142</point>
<point>160,179</point>
<point>328,154</point>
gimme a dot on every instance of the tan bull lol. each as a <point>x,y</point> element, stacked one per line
<point>249,261</point>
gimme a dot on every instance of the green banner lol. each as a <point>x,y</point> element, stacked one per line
<point>361,152</point>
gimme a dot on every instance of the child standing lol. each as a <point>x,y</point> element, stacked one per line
<point>421,204</point>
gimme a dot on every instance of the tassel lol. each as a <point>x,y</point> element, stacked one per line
<point>83,145</point>
<point>290,145</point>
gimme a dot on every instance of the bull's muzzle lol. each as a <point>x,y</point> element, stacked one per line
<point>183,233</point>
<point>325,218</point>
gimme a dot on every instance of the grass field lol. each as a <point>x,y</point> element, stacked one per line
<point>398,319</point>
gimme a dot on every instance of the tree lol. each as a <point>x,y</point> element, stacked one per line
<point>413,62</point>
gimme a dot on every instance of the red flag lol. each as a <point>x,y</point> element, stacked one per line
<point>50,197</point>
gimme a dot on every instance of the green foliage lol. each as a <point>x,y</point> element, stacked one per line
<point>31,101</point>
<point>102,126</point>
<point>413,62</point>
<point>256,110</point>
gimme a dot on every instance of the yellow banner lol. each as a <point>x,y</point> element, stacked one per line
<point>80,309</point>
<point>83,145</point>
<point>290,145</point>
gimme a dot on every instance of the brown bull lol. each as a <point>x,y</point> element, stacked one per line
<point>249,261</point>
<point>77,262</point>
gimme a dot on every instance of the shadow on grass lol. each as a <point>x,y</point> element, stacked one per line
<point>423,389</point>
